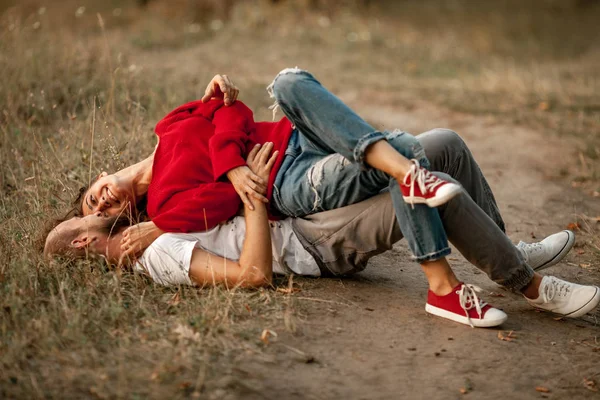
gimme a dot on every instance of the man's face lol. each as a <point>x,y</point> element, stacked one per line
<point>80,235</point>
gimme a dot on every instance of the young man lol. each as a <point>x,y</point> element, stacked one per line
<point>341,241</point>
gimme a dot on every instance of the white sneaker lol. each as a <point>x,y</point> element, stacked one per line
<point>549,251</point>
<point>566,298</point>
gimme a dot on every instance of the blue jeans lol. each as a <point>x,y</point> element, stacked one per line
<point>324,168</point>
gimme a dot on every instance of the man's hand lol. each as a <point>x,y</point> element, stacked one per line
<point>221,86</point>
<point>137,238</point>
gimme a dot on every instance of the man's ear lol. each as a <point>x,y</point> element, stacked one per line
<point>81,242</point>
<point>102,174</point>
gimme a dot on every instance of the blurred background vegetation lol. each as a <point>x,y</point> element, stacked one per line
<point>83,83</point>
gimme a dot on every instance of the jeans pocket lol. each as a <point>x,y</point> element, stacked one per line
<point>278,203</point>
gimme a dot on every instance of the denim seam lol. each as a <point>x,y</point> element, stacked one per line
<point>363,143</point>
<point>278,203</point>
<point>436,255</point>
<point>271,90</point>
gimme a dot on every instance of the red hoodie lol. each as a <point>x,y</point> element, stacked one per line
<point>199,143</point>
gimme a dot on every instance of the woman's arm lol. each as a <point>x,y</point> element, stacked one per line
<point>255,267</point>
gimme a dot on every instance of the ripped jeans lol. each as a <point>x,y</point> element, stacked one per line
<point>324,168</point>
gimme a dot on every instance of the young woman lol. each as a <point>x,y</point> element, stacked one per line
<point>332,158</point>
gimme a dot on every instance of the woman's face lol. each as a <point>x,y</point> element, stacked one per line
<point>108,195</point>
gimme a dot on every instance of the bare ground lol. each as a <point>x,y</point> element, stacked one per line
<point>370,336</point>
<point>366,337</point>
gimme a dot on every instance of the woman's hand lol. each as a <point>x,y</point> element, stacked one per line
<point>259,161</point>
<point>221,87</point>
<point>137,238</point>
<point>247,184</point>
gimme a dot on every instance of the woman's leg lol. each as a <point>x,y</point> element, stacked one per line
<point>328,126</point>
<point>318,174</point>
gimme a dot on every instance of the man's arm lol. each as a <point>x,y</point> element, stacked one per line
<point>255,267</point>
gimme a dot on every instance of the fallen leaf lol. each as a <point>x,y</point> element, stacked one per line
<point>590,384</point>
<point>248,308</point>
<point>585,265</point>
<point>174,300</point>
<point>543,106</point>
<point>542,389</point>
<point>580,252</point>
<point>574,226</point>
<point>494,294</point>
<point>508,338</point>
<point>532,235</point>
<point>595,193</point>
<point>154,376</point>
<point>463,391</point>
<point>265,335</point>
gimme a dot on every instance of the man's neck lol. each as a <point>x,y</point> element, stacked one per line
<point>112,248</point>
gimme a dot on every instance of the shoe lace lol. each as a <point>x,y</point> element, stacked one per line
<point>554,288</point>
<point>467,298</point>
<point>423,178</point>
<point>531,248</point>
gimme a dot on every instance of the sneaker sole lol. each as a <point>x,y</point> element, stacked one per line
<point>436,201</point>
<point>561,254</point>
<point>478,323</point>
<point>586,308</point>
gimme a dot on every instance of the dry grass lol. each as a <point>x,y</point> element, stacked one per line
<point>80,330</point>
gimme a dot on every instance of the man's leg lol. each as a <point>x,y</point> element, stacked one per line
<point>330,127</point>
<point>448,153</point>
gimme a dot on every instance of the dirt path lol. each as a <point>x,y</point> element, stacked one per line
<point>370,336</point>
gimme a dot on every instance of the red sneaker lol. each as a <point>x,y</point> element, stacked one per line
<point>462,305</point>
<point>420,186</point>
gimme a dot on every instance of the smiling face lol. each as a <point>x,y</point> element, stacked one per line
<point>108,195</point>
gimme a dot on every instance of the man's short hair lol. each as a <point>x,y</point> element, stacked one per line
<point>58,241</point>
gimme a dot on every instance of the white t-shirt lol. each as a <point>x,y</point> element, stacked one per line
<point>168,259</point>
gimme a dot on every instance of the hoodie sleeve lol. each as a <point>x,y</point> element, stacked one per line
<point>198,209</point>
<point>227,147</point>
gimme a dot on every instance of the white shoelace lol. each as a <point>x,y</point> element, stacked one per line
<point>531,249</point>
<point>427,182</point>
<point>555,287</point>
<point>467,297</point>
